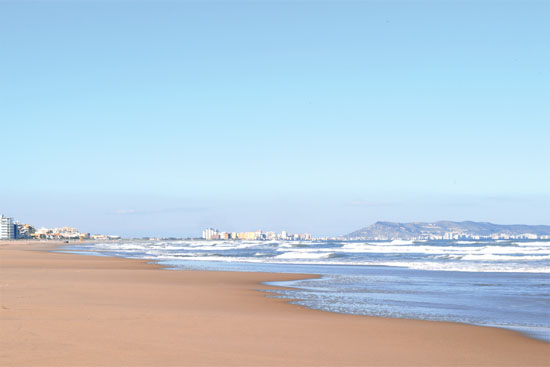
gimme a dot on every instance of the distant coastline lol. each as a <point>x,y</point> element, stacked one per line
<point>11,229</point>
<point>448,230</point>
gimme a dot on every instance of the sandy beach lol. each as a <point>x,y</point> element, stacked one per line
<point>74,310</point>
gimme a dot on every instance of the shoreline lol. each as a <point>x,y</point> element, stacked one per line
<point>272,293</point>
<point>326,301</point>
<point>69,309</point>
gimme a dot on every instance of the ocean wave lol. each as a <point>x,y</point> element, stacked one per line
<point>329,259</point>
<point>304,255</point>
<point>197,246</point>
<point>533,243</point>
<point>480,256</point>
<point>119,246</point>
<point>513,250</point>
<point>401,242</point>
<point>493,257</point>
<point>470,267</point>
<point>286,245</point>
<point>428,249</point>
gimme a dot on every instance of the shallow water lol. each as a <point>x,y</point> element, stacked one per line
<point>504,284</point>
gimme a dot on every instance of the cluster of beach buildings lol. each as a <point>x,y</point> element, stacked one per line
<point>457,236</point>
<point>493,236</point>
<point>10,229</point>
<point>214,234</point>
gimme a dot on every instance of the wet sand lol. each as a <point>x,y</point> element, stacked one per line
<point>74,310</point>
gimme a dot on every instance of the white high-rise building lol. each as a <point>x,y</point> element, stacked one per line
<point>7,229</point>
<point>208,233</point>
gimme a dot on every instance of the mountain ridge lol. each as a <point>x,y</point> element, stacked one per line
<point>445,229</point>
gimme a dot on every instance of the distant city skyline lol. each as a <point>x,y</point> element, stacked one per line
<point>11,229</point>
<point>142,118</point>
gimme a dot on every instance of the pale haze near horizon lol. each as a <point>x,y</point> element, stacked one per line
<point>162,118</point>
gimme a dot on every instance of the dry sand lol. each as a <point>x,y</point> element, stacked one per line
<point>74,310</point>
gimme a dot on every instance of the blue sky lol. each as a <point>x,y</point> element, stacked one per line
<point>161,118</point>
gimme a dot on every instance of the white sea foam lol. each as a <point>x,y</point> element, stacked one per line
<point>294,249</point>
<point>469,267</point>
<point>481,256</point>
<point>304,255</point>
<point>122,246</point>
<point>513,250</point>
<point>202,246</point>
<point>493,257</point>
<point>426,249</point>
<point>217,247</point>
<point>286,245</point>
<point>356,247</point>
<point>399,242</point>
<point>534,243</point>
<point>323,259</point>
<point>205,258</point>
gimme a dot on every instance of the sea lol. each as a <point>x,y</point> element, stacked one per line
<point>497,283</point>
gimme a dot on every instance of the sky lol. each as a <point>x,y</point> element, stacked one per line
<point>161,118</point>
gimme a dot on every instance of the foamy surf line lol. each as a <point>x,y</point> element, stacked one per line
<point>470,256</point>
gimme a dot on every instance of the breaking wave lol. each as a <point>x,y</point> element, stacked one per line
<point>473,256</point>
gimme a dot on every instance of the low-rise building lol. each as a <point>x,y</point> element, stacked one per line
<point>23,230</point>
